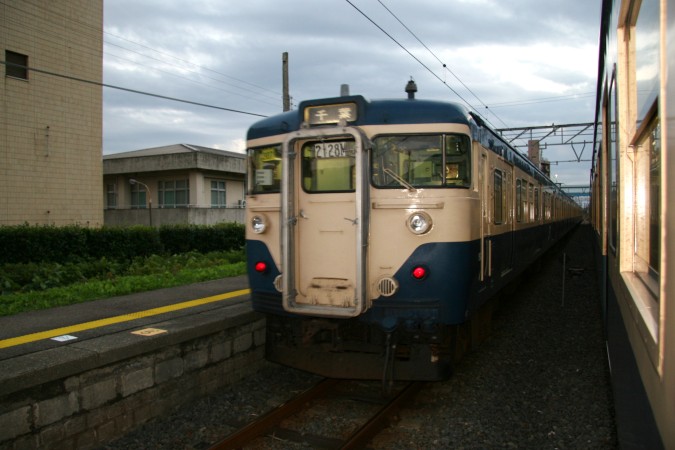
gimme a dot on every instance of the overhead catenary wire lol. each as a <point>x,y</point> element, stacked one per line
<point>445,66</point>
<point>191,80</point>
<point>95,32</point>
<point>135,91</point>
<point>415,58</point>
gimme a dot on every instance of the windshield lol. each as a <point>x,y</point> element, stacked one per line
<point>264,175</point>
<point>441,160</point>
<point>329,166</point>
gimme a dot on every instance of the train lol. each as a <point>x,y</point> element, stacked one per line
<point>632,187</point>
<point>378,231</point>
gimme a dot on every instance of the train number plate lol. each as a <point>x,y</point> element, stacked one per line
<point>323,150</point>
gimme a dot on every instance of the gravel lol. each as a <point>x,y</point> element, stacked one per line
<point>539,381</point>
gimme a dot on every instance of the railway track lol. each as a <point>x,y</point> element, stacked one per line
<point>328,395</point>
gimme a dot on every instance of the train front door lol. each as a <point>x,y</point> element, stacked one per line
<point>325,220</point>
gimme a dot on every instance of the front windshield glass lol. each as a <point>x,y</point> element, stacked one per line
<point>264,175</point>
<point>329,166</point>
<point>421,161</point>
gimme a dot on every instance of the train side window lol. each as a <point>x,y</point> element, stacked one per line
<point>523,201</point>
<point>536,204</point>
<point>264,174</point>
<point>498,197</point>
<point>421,161</point>
<point>519,199</point>
<point>530,212</point>
<point>457,160</point>
<point>647,211</point>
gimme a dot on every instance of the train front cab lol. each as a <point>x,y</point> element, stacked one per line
<point>392,236</point>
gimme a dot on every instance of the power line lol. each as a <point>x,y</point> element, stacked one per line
<point>415,58</point>
<point>560,98</point>
<point>445,66</point>
<point>150,94</point>
<point>191,64</point>
<point>171,74</point>
<point>96,33</point>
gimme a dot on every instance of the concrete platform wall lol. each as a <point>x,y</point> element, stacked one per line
<point>119,388</point>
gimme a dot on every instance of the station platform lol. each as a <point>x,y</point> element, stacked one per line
<point>36,331</point>
<point>79,375</point>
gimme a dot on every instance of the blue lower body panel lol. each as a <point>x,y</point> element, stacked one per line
<point>415,334</point>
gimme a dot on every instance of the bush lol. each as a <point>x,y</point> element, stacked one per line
<point>24,243</point>
<point>201,238</point>
<point>37,244</point>
<point>119,243</point>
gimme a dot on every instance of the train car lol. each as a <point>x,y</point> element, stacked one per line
<point>631,214</point>
<point>632,180</point>
<point>377,231</point>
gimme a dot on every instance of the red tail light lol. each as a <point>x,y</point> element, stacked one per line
<point>419,273</point>
<point>260,267</point>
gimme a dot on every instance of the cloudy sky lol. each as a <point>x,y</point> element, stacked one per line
<point>519,63</point>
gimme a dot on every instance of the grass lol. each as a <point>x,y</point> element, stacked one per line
<point>33,287</point>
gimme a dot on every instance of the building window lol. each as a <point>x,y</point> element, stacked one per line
<point>17,65</point>
<point>174,194</point>
<point>111,196</point>
<point>139,197</point>
<point>218,197</point>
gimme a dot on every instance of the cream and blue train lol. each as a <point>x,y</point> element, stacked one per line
<point>377,231</point>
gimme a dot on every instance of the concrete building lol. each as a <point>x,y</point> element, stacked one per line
<point>174,184</point>
<point>50,122</point>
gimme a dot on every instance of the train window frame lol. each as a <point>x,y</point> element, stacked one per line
<point>519,199</point>
<point>452,170</point>
<point>333,172</point>
<point>264,170</point>
<point>498,193</point>
<point>530,206</point>
<point>647,154</point>
<point>611,140</point>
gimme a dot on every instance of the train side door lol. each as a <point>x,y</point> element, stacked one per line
<point>324,223</point>
<point>510,218</point>
<point>486,243</point>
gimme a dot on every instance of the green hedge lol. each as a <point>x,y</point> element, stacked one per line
<point>33,244</point>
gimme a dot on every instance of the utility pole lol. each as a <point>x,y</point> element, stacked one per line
<point>284,75</point>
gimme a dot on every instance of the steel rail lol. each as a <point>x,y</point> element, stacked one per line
<point>274,417</point>
<point>358,439</point>
<point>361,437</point>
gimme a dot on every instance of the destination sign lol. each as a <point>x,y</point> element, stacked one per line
<point>326,114</point>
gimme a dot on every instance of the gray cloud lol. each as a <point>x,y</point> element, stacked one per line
<point>229,54</point>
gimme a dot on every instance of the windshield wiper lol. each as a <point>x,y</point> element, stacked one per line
<point>400,180</point>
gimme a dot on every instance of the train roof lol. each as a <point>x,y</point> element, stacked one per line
<point>396,111</point>
<point>375,112</point>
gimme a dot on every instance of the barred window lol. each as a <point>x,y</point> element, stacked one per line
<point>111,195</point>
<point>138,196</point>
<point>218,194</point>
<point>174,194</point>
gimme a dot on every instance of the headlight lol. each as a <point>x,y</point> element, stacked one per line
<point>419,222</point>
<point>258,224</point>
